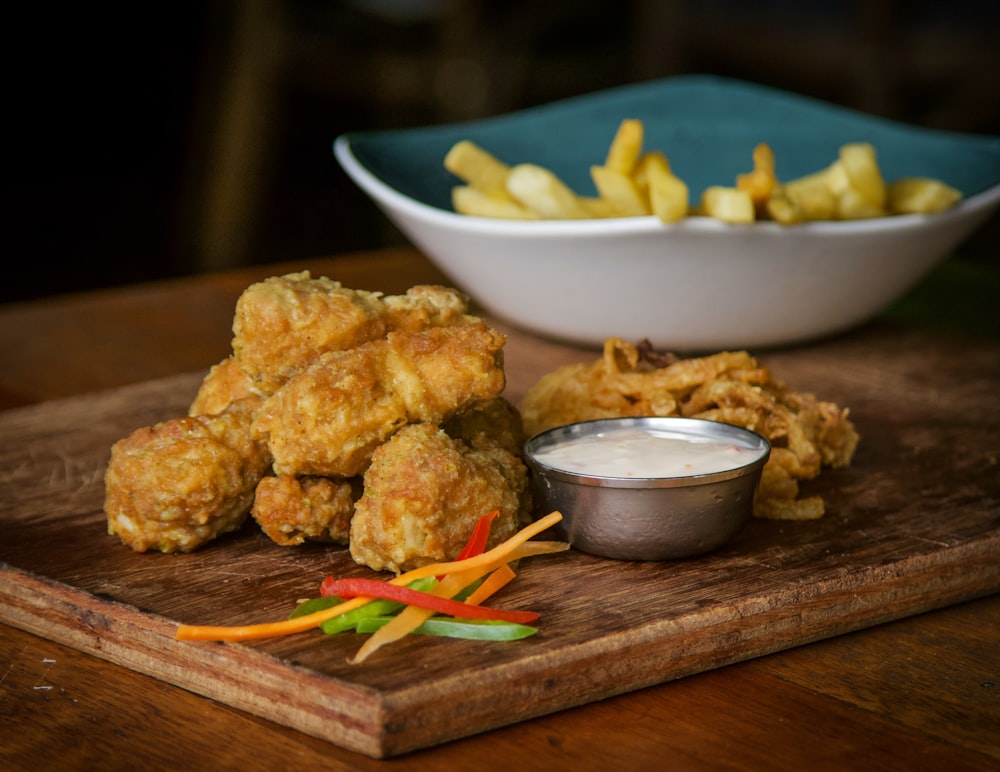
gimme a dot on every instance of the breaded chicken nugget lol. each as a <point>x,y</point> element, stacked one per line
<point>176,485</point>
<point>328,420</point>
<point>494,421</point>
<point>293,510</point>
<point>423,494</point>
<point>283,323</point>
<point>224,384</point>
<point>426,305</point>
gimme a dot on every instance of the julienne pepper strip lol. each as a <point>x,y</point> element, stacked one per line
<point>350,620</point>
<point>480,536</point>
<point>446,627</point>
<point>476,545</point>
<point>376,588</point>
<point>497,580</point>
<point>412,617</point>
<point>516,547</point>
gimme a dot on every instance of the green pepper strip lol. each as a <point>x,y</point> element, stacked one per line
<point>470,629</point>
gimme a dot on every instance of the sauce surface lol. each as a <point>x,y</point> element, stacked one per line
<point>645,453</point>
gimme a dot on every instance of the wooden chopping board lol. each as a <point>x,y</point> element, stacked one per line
<point>912,525</point>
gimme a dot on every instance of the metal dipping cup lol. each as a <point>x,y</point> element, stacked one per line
<point>649,518</point>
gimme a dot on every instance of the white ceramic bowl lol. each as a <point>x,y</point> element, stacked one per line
<point>699,284</point>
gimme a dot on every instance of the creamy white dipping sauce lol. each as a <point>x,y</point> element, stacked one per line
<point>645,453</point>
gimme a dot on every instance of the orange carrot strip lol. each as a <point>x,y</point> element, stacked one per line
<point>500,578</point>
<point>265,629</point>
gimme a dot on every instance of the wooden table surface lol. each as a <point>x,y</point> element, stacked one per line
<point>920,693</point>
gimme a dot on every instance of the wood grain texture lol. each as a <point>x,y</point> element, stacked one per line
<point>912,525</point>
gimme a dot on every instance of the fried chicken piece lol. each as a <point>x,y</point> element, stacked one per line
<point>423,494</point>
<point>493,421</point>
<point>225,383</point>
<point>293,510</point>
<point>328,420</point>
<point>180,483</point>
<point>426,305</point>
<point>284,322</point>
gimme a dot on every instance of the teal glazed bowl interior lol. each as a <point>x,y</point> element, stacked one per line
<point>698,284</point>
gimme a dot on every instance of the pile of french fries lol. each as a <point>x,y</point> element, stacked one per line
<point>633,182</point>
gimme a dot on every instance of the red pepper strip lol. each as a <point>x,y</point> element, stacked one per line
<point>480,535</point>
<point>476,545</point>
<point>375,588</point>
<point>324,587</point>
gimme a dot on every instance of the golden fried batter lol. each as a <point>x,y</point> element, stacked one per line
<point>425,305</point>
<point>176,485</point>
<point>493,421</point>
<point>423,494</point>
<point>319,377</point>
<point>806,434</point>
<point>282,323</point>
<point>328,420</point>
<point>225,383</point>
<point>293,510</point>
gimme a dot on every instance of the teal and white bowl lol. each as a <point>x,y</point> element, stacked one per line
<point>695,285</point>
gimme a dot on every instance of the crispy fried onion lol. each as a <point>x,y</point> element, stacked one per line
<point>806,434</point>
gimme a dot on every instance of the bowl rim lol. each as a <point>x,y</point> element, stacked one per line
<point>387,196</point>
<point>702,427</point>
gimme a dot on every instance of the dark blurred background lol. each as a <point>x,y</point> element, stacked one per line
<point>158,140</point>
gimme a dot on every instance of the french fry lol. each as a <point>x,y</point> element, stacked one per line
<point>478,168</point>
<point>848,202</point>
<point>667,193</point>
<point>781,208</point>
<point>813,195</point>
<point>921,195</point>
<point>760,182</point>
<point>538,189</point>
<point>620,191</point>
<point>727,204</point>
<point>863,174</point>
<point>626,146</point>
<point>852,206</point>
<point>471,201</point>
<point>598,207</point>
<point>632,182</point>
